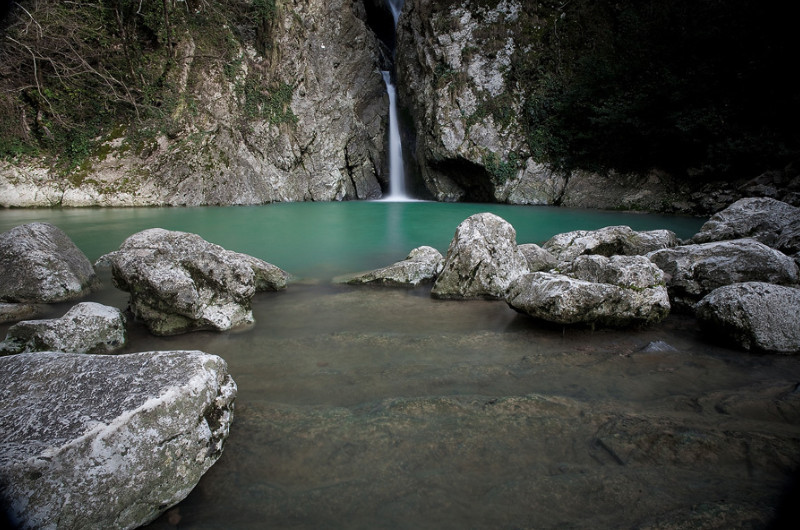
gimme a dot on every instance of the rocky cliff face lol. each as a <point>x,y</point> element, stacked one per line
<point>452,62</point>
<point>459,66</point>
<point>301,118</point>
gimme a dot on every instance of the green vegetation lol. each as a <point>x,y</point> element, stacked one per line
<point>72,71</point>
<point>696,87</point>
<point>501,170</point>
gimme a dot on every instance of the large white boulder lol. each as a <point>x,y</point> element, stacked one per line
<point>39,263</point>
<point>100,441</point>
<point>180,282</point>
<point>754,315</point>
<point>693,271</point>
<point>482,260</point>
<point>608,241</point>
<point>618,291</point>
<point>759,218</point>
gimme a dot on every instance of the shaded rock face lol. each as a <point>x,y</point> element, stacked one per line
<point>608,241</point>
<point>108,441</point>
<point>754,315</point>
<point>40,264</point>
<point>422,265</point>
<point>482,260</point>
<point>304,120</point>
<point>86,328</point>
<point>693,271</point>
<point>619,291</point>
<point>180,282</point>
<point>772,222</point>
<point>447,89</point>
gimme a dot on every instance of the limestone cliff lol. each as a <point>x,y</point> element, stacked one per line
<point>301,118</point>
<point>480,80</point>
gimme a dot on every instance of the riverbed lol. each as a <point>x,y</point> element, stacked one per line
<point>384,408</point>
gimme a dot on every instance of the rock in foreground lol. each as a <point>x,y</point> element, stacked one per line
<point>86,328</point>
<point>422,265</point>
<point>108,441</point>
<point>483,259</point>
<point>755,315</point>
<point>39,263</point>
<point>180,282</point>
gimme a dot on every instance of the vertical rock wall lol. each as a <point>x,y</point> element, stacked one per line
<point>302,117</point>
<point>452,64</point>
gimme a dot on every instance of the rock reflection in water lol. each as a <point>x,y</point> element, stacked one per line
<point>370,408</point>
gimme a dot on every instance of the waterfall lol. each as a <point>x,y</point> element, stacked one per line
<point>397,177</point>
<point>395,6</point>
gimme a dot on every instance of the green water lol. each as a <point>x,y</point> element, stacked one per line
<point>376,408</point>
<point>322,240</point>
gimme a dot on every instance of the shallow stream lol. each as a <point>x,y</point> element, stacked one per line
<point>384,408</point>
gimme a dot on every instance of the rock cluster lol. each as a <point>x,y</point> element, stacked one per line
<point>108,441</point>
<point>738,286</point>
<point>180,282</point>
<point>693,271</point>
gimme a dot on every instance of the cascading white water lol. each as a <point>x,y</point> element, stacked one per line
<point>395,6</point>
<point>397,177</point>
<point>397,184</point>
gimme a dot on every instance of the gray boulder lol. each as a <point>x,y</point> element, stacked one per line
<point>608,241</point>
<point>86,328</point>
<point>482,260</point>
<point>97,441</point>
<point>754,315</point>
<point>422,265</point>
<point>693,271</point>
<point>769,221</point>
<point>619,291</point>
<point>538,258</point>
<point>180,282</point>
<point>39,263</point>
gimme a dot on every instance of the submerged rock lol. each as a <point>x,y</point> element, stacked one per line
<point>422,265</point>
<point>619,291</point>
<point>482,260</point>
<point>608,241</point>
<point>180,282</point>
<point>86,328</point>
<point>754,315</point>
<point>95,441</point>
<point>39,263</point>
<point>693,271</point>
